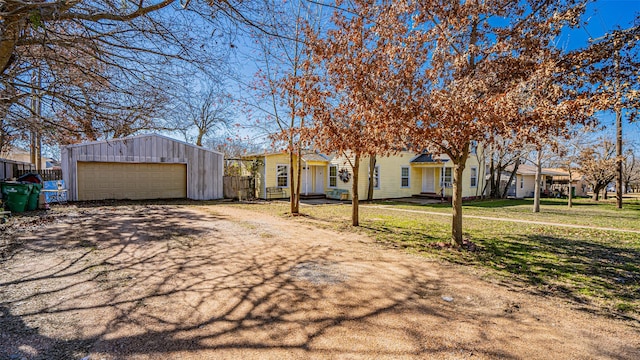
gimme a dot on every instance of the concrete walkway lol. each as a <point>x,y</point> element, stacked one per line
<point>386,207</point>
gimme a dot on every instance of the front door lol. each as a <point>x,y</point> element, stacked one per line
<point>319,179</point>
<point>428,180</point>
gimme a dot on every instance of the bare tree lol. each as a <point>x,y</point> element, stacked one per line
<point>106,66</point>
<point>205,112</point>
<point>568,156</point>
<point>631,169</point>
<point>503,154</point>
<point>598,164</point>
<point>281,49</point>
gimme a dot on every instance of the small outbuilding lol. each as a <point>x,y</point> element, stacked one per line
<point>141,167</point>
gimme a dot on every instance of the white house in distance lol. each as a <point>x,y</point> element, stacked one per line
<point>554,182</point>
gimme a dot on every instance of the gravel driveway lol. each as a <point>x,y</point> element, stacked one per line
<point>219,282</point>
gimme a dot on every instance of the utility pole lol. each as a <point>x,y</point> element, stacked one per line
<point>36,110</point>
<point>618,109</point>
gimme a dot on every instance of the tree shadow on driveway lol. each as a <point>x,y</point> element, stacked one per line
<point>150,282</point>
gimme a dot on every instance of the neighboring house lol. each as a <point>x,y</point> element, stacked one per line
<point>554,182</point>
<point>22,155</point>
<point>403,175</point>
<point>272,174</point>
<point>560,182</point>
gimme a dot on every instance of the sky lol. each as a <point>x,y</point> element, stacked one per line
<point>603,16</point>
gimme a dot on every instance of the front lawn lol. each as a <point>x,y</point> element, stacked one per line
<point>584,211</point>
<point>587,266</point>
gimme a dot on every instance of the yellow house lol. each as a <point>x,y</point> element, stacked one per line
<point>402,175</point>
<point>22,155</point>
<point>272,174</point>
<point>408,174</point>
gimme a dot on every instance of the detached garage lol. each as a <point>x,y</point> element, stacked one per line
<point>141,167</point>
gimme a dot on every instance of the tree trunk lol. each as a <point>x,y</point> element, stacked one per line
<point>618,133</point>
<point>596,192</point>
<point>292,187</point>
<point>536,192</point>
<point>513,176</point>
<point>494,174</point>
<point>372,169</point>
<point>456,225</point>
<point>570,195</point>
<point>298,182</point>
<point>199,138</point>
<point>355,218</point>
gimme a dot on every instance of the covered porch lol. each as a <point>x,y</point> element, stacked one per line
<point>313,176</point>
<point>436,177</point>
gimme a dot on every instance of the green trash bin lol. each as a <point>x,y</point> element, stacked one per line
<point>17,196</point>
<point>32,204</point>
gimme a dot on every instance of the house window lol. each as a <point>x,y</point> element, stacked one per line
<point>282,175</point>
<point>473,147</point>
<point>333,175</point>
<point>521,182</point>
<point>474,176</point>
<point>446,177</point>
<point>404,177</point>
<point>376,177</point>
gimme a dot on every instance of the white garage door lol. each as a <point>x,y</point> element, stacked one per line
<point>107,180</point>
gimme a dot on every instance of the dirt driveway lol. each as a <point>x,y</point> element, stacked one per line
<point>218,282</point>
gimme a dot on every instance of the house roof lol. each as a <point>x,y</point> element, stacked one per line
<point>562,174</point>
<point>265,153</point>
<point>307,156</point>
<point>427,158</point>
<point>524,169</point>
<point>315,157</point>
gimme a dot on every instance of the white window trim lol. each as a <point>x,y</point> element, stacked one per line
<point>521,181</point>
<point>443,183</point>
<point>329,177</point>
<point>287,172</point>
<point>408,177</point>
<point>374,175</point>
<point>471,176</point>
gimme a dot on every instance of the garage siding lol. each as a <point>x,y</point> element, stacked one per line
<point>204,168</point>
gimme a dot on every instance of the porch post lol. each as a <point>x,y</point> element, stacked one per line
<point>442,182</point>
<point>306,178</point>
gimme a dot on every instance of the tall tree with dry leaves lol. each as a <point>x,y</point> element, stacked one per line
<point>358,75</point>
<point>493,72</point>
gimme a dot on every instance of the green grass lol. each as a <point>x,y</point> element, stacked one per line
<point>584,211</point>
<point>586,266</point>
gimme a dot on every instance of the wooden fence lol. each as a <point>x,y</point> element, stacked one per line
<point>10,169</point>
<point>47,174</point>
<point>239,187</point>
